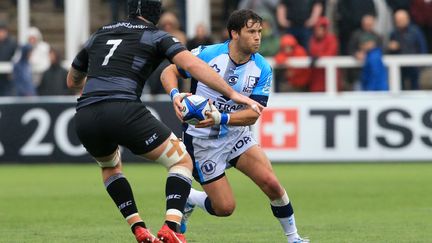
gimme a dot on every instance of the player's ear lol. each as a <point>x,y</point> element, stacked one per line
<point>235,35</point>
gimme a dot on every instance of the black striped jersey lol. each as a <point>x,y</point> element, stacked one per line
<point>120,57</point>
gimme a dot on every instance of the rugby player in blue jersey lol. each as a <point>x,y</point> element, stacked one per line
<point>224,139</point>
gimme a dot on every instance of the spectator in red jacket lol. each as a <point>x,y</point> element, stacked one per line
<point>322,44</point>
<point>297,78</point>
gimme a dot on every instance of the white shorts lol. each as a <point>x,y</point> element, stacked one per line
<point>212,156</point>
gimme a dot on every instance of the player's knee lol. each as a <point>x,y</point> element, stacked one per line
<point>110,161</point>
<point>224,209</point>
<point>174,154</point>
<point>182,171</point>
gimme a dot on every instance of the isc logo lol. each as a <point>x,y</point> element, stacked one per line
<point>125,204</point>
<point>279,128</point>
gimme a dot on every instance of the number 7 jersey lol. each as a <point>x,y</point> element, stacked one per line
<point>120,57</point>
<point>252,79</point>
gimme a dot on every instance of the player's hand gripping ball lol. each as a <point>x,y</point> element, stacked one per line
<point>194,108</point>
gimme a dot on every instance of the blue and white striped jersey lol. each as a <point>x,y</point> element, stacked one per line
<point>252,79</point>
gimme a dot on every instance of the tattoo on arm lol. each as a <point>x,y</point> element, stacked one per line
<point>78,77</point>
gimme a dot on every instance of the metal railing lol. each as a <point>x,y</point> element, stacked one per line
<point>331,64</point>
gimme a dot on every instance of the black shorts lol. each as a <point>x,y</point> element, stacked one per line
<point>103,126</point>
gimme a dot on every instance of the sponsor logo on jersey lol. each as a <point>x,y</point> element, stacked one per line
<point>232,79</point>
<point>221,104</point>
<point>240,143</point>
<point>279,128</point>
<point>208,168</point>
<point>250,84</point>
<point>126,25</point>
<point>267,85</point>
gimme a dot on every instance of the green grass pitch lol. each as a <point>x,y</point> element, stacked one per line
<point>386,202</point>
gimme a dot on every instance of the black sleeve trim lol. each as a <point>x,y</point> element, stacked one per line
<point>80,62</point>
<point>262,99</point>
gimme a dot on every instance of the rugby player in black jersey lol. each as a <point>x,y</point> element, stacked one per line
<point>110,72</point>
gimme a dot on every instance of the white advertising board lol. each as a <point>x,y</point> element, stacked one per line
<point>354,127</point>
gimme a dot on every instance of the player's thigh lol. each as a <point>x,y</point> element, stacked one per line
<point>91,128</point>
<point>141,132</point>
<point>255,164</point>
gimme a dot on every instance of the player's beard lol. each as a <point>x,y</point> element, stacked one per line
<point>250,48</point>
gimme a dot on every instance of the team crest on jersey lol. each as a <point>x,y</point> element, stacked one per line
<point>208,168</point>
<point>233,79</point>
<point>250,84</point>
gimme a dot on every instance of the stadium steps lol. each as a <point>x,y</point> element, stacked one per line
<point>50,21</point>
<point>217,21</point>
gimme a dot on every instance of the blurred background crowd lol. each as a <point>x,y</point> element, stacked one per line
<point>364,29</point>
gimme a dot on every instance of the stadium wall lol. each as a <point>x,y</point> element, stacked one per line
<point>295,127</point>
<point>41,129</point>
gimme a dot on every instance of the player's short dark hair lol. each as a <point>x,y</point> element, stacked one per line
<point>239,19</point>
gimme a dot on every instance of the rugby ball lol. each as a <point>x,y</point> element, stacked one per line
<point>194,108</point>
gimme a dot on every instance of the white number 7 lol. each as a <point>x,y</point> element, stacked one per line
<point>115,44</point>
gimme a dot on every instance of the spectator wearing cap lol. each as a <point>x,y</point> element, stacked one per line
<point>8,46</point>
<point>322,44</point>
<point>407,38</point>
<point>296,79</point>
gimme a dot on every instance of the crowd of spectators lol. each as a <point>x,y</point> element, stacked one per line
<point>363,29</point>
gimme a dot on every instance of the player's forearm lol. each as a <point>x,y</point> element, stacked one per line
<point>243,118</point>
<point>169,78</point>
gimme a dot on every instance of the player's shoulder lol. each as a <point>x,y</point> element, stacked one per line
<point>206,51</point>
<point>261,62</point>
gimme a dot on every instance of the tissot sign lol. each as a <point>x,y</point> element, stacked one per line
<point>368,127</point>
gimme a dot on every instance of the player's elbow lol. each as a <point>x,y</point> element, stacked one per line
<point>75,79</point>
